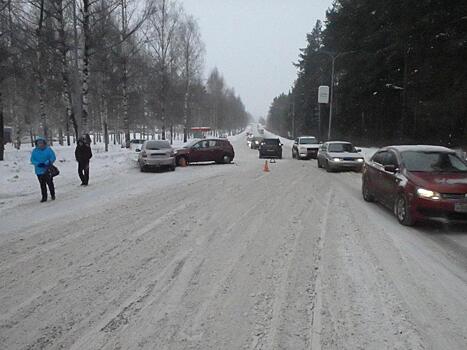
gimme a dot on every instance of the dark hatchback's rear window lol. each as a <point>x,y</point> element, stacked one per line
<point>272,142</point>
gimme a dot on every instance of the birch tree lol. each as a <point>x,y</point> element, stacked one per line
<point>161,33</point>
<point>192,62</point>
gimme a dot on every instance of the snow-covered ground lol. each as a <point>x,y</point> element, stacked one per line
<point>222,257</point>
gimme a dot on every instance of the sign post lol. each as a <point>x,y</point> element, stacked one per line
<point>323,98</point>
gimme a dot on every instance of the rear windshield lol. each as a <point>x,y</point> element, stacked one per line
<point>273,142</point>
<point>433,162</point>
<point>308,141</point>
<point>156,145</point>
<point>341,147</point>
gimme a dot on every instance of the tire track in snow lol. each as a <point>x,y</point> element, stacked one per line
<point>316,326</point>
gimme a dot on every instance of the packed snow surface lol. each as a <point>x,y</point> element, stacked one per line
<point>220,257</point>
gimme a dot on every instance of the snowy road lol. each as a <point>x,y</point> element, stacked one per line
<point>228,257</point>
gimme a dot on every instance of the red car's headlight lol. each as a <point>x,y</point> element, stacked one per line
<point>427,194</point>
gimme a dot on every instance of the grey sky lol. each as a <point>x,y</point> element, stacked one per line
<point>254,42</point>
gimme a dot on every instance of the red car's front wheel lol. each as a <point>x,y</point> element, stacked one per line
<point>402,211</point>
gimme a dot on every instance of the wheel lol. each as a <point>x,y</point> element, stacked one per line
<point>142,168</point>
<point>367,195</point>
<point>226,159</point>
<point>402,211</point>
<point>294,154</point>
<point>319,164</point>
<point>182,161</point>
<point>172,168</point>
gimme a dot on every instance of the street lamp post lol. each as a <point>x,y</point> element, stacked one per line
<point>334,57</point>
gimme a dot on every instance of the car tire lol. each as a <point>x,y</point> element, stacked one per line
<point>226,159</point>
<point>142,168</point>
<point>179,161</point>
<point>402,211</point>
<point>293,154</point>
<point>319,163</point>
<point>366,193</point>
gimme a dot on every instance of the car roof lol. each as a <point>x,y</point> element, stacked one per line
<point>419,148</point>
<point>338,142</point>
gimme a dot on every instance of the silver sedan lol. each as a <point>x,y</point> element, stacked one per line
<point>338,155</point>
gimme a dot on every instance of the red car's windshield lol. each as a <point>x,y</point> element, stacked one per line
<point>433,162</point>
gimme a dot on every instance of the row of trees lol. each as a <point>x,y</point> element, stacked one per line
<point>400,74</point>
<point>71,67</point>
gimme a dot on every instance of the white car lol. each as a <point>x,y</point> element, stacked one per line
<point>305,147</point>
<point>156,154</point>
<point>136,145</point>
<point>340,155</point>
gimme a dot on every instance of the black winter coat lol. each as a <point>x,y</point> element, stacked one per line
<point>83,153</point>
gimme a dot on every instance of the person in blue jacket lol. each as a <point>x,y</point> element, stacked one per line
<point>42,158</point>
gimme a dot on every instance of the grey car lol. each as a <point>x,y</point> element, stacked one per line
<point>156,154</point>
<point>340,155</point>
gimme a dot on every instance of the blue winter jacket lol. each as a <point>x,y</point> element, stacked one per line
<point>44,156</point>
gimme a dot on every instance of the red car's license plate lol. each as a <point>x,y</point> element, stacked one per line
<point>461,207</point>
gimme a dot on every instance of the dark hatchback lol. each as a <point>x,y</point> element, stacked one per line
<point>270,148</point>
<point>418,183</point>
<point>207,150</point>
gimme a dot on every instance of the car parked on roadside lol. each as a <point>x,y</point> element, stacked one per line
<point>207,150</point>
<point>156,154</point>
<point>255,142</point>
<point>270,148</point>
<point>305,147</point>
<point>136,145</point>
<point>340,155</point>
<point>418,183</point>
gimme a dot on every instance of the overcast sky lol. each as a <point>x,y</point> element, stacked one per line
<point>254,42</point>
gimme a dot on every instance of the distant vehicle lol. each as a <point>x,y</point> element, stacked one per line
<point>270,148</point>
<point>255,142</point>
<point>338,155</point>
<point>305,147</point>
<point>136,144</point>
<point>418,183</point>
<point>156,154</point>
<point>200,132</point>
<point>7,135</point>
<point>208,150</point>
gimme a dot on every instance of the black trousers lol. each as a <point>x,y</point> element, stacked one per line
<point>46,180</point>
<point>83,172</point>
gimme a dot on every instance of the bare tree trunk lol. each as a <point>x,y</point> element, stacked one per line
<point>39,73</point>
<point>85,68</point>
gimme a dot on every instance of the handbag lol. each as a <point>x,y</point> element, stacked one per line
<point>53,171</point>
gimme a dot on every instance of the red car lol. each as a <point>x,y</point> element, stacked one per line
<point>418,182</point>
<point>207,150</point>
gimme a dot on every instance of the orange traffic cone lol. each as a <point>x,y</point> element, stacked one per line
<point>266,166</point>
<point>182,162</point>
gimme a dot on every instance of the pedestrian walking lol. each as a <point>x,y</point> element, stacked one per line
<point>83,155</point>
<point>43,158</point>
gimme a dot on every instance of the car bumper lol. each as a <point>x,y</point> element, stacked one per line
<point>158,162</point>
<point>442,210</point>
<point>345,164</point>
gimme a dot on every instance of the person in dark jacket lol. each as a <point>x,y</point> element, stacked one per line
<point>43,157</point>
<point>83,155</point>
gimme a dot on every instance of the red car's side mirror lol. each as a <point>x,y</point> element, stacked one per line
<point>391,169</point>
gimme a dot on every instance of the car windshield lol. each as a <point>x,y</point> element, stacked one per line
<point>157,145</point>
<point>273,142</point>
<point>308,141</point>
<point>138,142</point>
<point>433,162</point>
<point>341,147</point>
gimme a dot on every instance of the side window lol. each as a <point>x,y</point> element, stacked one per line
<point>380,157</point>
<point>214,143</point>
<point>391,159</point>
<point>296,141</point>
<point>324,147</point>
